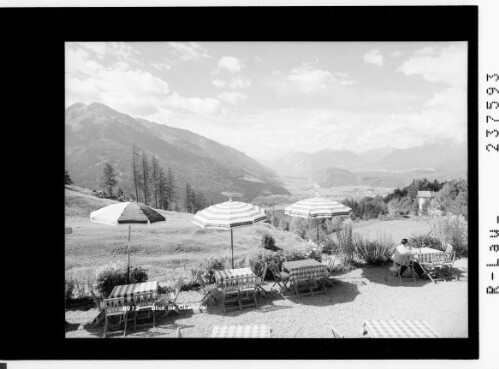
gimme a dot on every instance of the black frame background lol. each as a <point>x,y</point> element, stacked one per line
<point>35,107</point>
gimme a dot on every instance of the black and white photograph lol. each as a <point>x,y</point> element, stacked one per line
<point>273,189</point>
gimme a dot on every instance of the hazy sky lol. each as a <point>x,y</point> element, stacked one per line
<point>269,98</point>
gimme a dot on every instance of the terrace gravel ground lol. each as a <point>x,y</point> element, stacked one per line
<point>358,295</point>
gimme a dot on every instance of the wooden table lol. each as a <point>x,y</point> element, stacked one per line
<point>398,329</point>
<point>241,331</point>
<point>306,272</point>
<point>234,283</point>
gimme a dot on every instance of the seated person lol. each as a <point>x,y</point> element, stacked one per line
<point>402,256</point>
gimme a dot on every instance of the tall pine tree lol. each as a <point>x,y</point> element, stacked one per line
<point>136,171</point>
<point>155,179</point>
<point>108,179</point>
<point>145,177</point>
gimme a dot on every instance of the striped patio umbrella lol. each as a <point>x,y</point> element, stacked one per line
<point>228,215</point>
<point>316,208</point>
<point>126,213</point>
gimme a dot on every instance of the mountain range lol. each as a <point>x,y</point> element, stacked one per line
<point>437,159</point>
<point>96,134</point>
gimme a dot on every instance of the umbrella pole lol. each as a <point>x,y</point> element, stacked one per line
<point>128,264</point>
<point>317,231</point>
<point>232,247</point>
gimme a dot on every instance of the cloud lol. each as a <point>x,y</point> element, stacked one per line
<point>230,63</point>
<point>195,105</point>
<point>307,79</point>
<point>125,87</point>
<point>396,54</point>
<point>447,65</point>
<point>233,83</point>
<point>233,98</point>
<point>188,50</point>
<point>373,57</point>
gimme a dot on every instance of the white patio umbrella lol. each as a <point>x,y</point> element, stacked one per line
<point>316,208</point>
<point>228,215</point>
<point>126,213</point>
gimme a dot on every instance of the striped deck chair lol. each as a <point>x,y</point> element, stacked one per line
<point>144,302</point>
<point>115,308</point>
<point>231,294</point>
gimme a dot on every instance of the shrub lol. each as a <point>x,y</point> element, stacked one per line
<point>268,242</point>
<point>68,289</point>
<point>313,251</point>
<point>333,225</point>
<point>115,274</point>
<point>419,241</point>
<point>299,226</point>
<point>329,246</point>
<point>345,241</point>
<point>209,267</point>
<point>400,206</point>
<point>452,229</point>
<point>284,224</point>
<point>373,252</point>
<point>261,257</point>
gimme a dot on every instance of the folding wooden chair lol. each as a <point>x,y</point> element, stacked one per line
<point>336,333</point>
<point>328,261</point>
<point>433,267</point>
<point>231,294</point>
<point>247,294</point>
<point>115,307</point>
<point>448,262</point>
<point>206,288</point>
<point>144,302</point>
<point>172,301</point>
<point>279,277</point>
<point>261,280</point>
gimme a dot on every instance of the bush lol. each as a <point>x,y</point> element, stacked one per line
<point>300,227</point>
<point>284,224</point>
<point>454,230</point>
<point>419,241</point>
<point>373,252</point>
<point>113,274</point>
<point>268,242</point>
<point>68,289</point>
<point>345,240</point>
<point>313,251</point>
<point>401,206</point>
<point>209,267</point>
<point>262,257</point>
<point>329,246</point>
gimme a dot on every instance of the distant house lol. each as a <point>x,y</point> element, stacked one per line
<point>423,197</point>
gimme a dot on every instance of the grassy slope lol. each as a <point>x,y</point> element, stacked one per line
<point>176,243</point>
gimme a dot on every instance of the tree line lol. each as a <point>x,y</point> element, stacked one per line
<point>152,184</point>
